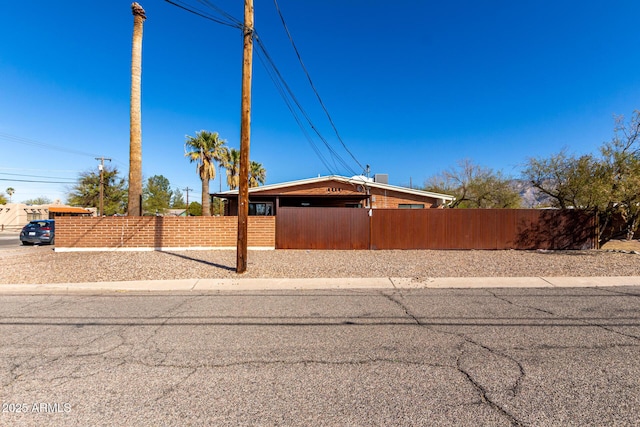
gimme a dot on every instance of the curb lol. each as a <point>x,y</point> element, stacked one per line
<point>258,284</point>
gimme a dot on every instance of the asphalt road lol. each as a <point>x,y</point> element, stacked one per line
<point>9,240</point>
<point>493,357</point>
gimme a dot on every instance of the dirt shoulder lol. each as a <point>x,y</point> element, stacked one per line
<point>41,265</point>
<point>625,245</point>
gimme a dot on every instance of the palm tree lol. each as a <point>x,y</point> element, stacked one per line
<point>135,132</point>
<point>205,149</point>
<point>10,192</point>
<point>223,163</point>
<point>257,174</point>
<point>232,164</point>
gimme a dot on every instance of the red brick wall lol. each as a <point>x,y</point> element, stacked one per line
<point>160,232</point>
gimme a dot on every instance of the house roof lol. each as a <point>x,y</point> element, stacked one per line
<point>356,180</point>
<point>68,209</point>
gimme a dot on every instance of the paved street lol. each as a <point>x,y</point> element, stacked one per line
<point>524,356</point>
<point>9,240</point>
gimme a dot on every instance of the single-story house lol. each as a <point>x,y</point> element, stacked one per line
<point>333,191</point>
<point>175,212</point>
<point>13,216</point>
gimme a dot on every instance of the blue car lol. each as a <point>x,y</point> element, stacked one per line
<point>38,231</point>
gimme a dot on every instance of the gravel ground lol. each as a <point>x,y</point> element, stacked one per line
<point>41,265</point>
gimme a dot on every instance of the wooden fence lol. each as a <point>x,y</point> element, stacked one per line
<point>322,228</point>
<point>345,228</point>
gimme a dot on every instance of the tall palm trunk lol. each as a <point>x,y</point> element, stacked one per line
<point>206,206</point>
<point>135,134</point>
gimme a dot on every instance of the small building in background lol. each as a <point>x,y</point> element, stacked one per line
<point>14,216</point>
<point>60,210</point>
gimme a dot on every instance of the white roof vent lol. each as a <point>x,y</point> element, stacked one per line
<point>362,178</point>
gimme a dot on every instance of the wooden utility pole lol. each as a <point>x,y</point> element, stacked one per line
<point>245,138</point>
<point>101,168</point>
<point>187,190</point>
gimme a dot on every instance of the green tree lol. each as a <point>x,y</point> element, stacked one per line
<point>217,207</point>
<point>10,192</point>
<point>177,200</point>
<point>42,200</point>
<point>157,195</point>
<point>608,183</point>
<point>621,171</point>
<point>195,209</point>
<point>86,192</point>
<point>257,174</point>
<point>205,149</point>
<point>232,165</point>
<point>3,199</point>
<point>231,162</point>
<point>566,181</point>
<point>475,187</point>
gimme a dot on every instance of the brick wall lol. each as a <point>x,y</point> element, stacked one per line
<point>150,232</point>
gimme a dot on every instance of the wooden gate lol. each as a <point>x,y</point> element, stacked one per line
<point>322,228</point>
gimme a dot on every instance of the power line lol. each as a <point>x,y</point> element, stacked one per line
<point>230,22</point>
<point>34,143</point>
<point>32,180</point>
<point>37,169</point>
<point>284,24</point>
<point>238,23</point>
<point>26,141</point>
<point>287,90</point>
<point>283,88</point>
<point>31,176</point>
<point>279,87</point>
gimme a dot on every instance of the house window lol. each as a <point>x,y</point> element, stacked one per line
<point>411,206</point>
<point>34,215</point>
<point>261,209</point>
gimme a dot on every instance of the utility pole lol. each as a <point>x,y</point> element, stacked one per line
<point>187,190</point>
<point>101,169</point>
<point>245,138</point>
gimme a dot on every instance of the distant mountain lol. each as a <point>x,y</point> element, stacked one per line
<point>531,197</point>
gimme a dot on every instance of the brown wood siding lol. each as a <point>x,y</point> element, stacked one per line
<point>326,188</point>
<point>322,228</point>
<point>335,228</point>
<point>483,229</point>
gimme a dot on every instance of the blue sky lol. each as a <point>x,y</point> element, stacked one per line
<point>411,86</point>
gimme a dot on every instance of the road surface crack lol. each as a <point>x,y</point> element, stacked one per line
<point>484,394</point>
<point>559,316</point>
<point>513,390</point>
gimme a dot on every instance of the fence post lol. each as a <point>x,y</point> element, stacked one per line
<point>370,228</point>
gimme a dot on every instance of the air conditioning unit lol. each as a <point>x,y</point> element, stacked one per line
<point>382,178</point>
